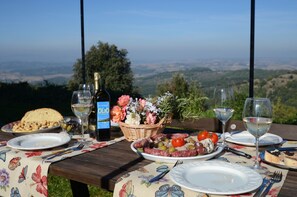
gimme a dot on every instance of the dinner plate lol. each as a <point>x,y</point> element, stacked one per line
<point>247,139</point>
<point>39,141</point>
<point>8,129</point>
<point>216,177</point>
<point>262,157</point>
<point>174,159</point>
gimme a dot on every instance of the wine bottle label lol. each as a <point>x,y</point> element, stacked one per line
<point>103,116</point>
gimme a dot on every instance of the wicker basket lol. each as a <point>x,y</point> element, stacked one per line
<point>135,132</point>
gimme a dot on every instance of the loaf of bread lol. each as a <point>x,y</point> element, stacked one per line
<point>38,119</point>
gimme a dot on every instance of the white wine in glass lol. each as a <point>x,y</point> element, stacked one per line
<point>81,105</point>
<point>257,119</point>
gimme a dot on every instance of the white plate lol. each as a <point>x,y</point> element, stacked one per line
<point>8,129</point>
<point>174,159</point>
<point>245,138</point>
<point>39,141</point>
<point>216,177</point>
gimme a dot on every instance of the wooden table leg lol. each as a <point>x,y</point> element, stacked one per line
<point>79,189</point>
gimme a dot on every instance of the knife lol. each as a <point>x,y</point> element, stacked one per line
<point>287,149</point>
<point>60,152</point>
<point>237,152</point>
<point>262,187</point>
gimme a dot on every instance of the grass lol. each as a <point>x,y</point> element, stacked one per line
<point>60,187</point>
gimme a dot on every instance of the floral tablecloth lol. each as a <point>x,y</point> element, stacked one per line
<point>136,183</point>
<point>24,173</point>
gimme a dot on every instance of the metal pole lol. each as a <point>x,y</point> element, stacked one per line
<point>82,41</point>
<point>252,49</point>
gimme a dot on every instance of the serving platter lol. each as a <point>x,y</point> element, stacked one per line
<point>151,157</point>
<point>8,129</point>
<point>216,177</point>
<point>39,141</point>
<point>247,139</point>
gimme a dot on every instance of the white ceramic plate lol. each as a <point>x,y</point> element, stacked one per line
<point>39,141</point>
<point>247,139</point>
<point>174,159</point>
<point>216,177</point>
<point>8,129</point>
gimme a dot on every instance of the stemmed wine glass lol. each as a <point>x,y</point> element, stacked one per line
<point>81,105</point>
<point>257,119</point>
<point>222,108</point>
<point>87,86</point>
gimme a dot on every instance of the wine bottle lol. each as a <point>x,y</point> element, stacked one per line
<point>92,116</point>
<point>102,104</point>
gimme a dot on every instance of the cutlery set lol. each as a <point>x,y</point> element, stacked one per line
<point>267,183</point>
<point>63,152</point>
<point>237,152</point>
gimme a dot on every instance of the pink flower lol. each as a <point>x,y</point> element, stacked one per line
<point>142,103</point>
<point>151,118</point>
<point>40,181</point>
<point>124,100</point>
<point>117,114</point>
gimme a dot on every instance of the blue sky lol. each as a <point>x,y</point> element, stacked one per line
<point>151,31</point>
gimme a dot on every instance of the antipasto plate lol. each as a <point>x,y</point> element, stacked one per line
<point>177,156</point>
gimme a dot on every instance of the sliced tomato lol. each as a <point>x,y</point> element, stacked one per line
<point>213,136</point>
<point>178,142</point>
<point>202,135</point>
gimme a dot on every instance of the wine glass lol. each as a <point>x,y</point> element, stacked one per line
<point>222,109</point>
<point>81,105</point>
<point>87,86</point>
<point>257,119</point>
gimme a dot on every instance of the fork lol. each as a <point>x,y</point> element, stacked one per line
<point>162,174</point>
<point>62,152</point>
<point>276,178</point>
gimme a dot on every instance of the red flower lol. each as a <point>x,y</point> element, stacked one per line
<point>40,181</point>
<point>33,153</point>
<point>117,114</point>
<point>124,100</point>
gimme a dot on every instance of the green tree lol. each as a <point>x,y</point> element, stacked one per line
<point>178,86</point>
<point>191,101</point>
<point>112,64</point>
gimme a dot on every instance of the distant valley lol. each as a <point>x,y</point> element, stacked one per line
<point>207,72</point>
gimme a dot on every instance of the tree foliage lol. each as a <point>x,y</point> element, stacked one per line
<point>112,64</point>
<point>191,102</point>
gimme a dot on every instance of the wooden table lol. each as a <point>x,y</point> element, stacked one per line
<point>104,166</point>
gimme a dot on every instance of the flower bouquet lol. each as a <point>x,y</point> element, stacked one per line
<point>140,118</point>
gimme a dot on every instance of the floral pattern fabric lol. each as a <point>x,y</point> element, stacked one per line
<point>136,183</point>
<point>24,173</point>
